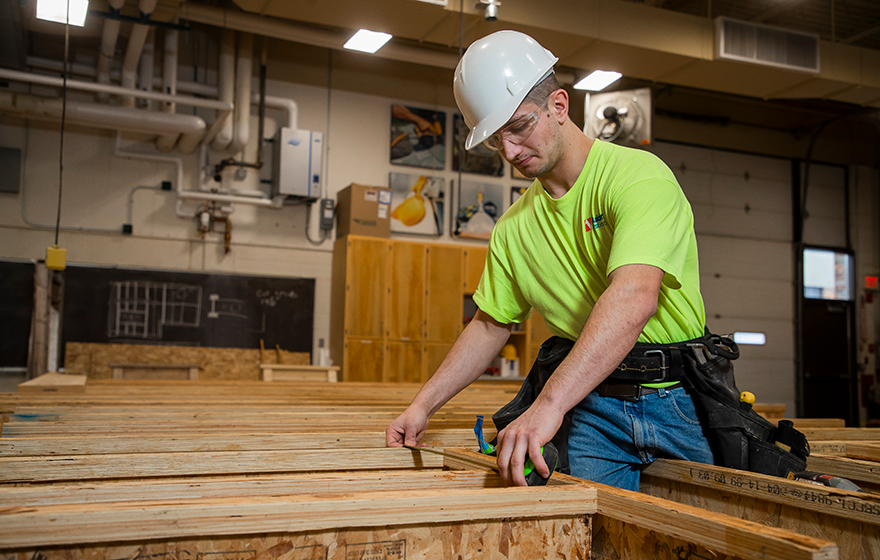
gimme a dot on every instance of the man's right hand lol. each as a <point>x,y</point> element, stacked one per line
<point>408,428</point>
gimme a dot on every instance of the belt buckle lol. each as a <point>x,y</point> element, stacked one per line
<point>665,370</point>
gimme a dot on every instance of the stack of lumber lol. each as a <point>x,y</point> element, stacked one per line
<point>292,471</point>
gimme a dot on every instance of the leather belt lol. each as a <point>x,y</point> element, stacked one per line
<point>628,391</point>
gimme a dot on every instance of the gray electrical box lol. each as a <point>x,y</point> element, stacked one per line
<point>298,159</point>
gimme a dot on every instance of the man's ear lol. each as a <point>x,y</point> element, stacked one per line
<point>558,105</point>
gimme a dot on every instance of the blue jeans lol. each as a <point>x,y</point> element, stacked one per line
<point>612,440</point>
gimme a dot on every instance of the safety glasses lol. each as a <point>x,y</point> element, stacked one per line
<point>516,132</point>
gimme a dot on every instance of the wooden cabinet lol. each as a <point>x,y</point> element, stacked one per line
<point>474,259</point>
<point>397,308</point>
<point>365,287</point>
<point>406,291</point>
<point>444,293</point>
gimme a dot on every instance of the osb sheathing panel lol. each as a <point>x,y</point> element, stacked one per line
<point>508,539</point>
<point>615,540</point>
<point>216,364</point>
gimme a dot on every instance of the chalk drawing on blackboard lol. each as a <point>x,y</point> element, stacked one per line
<point>226,306</point>
<point>141,309</point>
<point>271,298</point>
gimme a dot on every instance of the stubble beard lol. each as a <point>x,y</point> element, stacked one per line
<point>554,154</point>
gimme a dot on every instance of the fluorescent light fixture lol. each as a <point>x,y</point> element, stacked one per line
<point>56,10</point>
<point>367,41</point>
<point>756,338</point>
<point>598,80</point>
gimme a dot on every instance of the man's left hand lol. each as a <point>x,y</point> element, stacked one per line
<point>525,436</point>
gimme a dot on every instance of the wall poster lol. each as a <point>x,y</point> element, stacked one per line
<point>417,203</point>
<point>479,207</point>
<point>418,137</point>
<point>480,159</point>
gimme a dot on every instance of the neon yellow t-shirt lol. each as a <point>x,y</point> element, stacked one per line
<point>555,255</point>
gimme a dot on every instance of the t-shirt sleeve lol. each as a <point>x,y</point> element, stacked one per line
<point>498,293</point>
<point>651,220</point>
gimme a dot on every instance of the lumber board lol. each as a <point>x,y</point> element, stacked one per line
<point>237,487</point>
<point>865,451</point>
<point>842,434</point>
<point>717,532</point>
<point>859,506</point>
<point>53,382</point>
<point>151,465</point>
<point>32,430</point>
<point>190,441</point>
<point>866,474</point>
<point>828,447</point>
<point>137,521</point>
<point>801,423</point>
<point>850,519</point>
<point>261,415</point>
<point>510,539</point>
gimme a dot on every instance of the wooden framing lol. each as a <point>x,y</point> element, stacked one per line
<point>54,382</point>
<point>155,371</point>
<point>138,469</point>
<point>851,519</point>
<point>288,372</point>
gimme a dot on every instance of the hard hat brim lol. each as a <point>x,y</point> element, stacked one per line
<point>492,123</point>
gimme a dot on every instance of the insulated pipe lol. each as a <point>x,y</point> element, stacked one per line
<point>145,82</point>
<point>165,142</point>
<point>31,78</point>
<point>242,112</point>
<point>109,34</point>
<point>103,116</point>
<point>135,47</point>
<point>226,89</point>
<point>289,31</point>
<point>289,106</point>
<point>169,74</point>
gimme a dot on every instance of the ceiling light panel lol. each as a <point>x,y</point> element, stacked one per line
<point>367,41</point>
<point>56,10</point>
<point>598,80</point>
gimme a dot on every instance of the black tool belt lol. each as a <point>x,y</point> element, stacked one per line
<point>652,363</point>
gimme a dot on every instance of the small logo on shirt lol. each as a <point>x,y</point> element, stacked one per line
<point>594,223</point>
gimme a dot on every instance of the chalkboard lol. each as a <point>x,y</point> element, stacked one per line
<point>131,306</point>
<point>16,311</point>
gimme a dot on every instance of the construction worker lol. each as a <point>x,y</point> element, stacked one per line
<point>602,244</point>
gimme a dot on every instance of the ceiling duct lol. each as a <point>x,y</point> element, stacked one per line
<point>762,44</point>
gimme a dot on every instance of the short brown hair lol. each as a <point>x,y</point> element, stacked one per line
<point>542,90</point>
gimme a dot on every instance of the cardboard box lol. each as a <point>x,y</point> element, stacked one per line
<point>363,210</point>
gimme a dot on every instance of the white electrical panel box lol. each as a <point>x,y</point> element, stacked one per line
<point>298,160</point>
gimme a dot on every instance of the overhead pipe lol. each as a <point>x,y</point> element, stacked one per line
<point>52,81</point>
<point>136,41</point>
<point>289,31</point>
<point>80,69</point>
<point>166,142</point>
<point>226,89</point>
<point>242,112</point>
<point>145,82</point>
<point>99,115</point>
<point>285,104</point>
<point>109,34</point>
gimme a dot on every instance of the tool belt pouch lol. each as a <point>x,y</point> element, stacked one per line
<point>551,354</point>
<point>740,438</point>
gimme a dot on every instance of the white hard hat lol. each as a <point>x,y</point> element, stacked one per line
<point>494,76</point>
